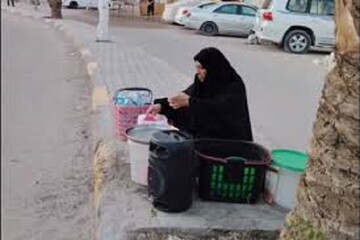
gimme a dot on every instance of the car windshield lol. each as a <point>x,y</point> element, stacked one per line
<point>206,5</point>
<point>185,3</point>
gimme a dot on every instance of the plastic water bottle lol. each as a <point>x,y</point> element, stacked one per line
<point>120,100</point>
<point>135,98</point>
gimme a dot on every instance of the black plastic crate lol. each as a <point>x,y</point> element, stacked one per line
<point>231,171</point>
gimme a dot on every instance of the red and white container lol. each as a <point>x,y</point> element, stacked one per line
<point>152,119</point>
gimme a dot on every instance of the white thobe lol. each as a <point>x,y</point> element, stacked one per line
<point>103,24</point>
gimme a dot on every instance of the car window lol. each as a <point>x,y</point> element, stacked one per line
<point>206,5</point>
<point>248,11</point>
<point>297,6</point>
<point>227,9</point>
<point>191,4</point>
<point>322,7</point>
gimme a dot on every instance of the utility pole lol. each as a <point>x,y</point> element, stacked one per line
<point>103,24</point>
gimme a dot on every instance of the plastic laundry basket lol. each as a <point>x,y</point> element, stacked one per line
<point>125,117</point>
<point>231,171</point>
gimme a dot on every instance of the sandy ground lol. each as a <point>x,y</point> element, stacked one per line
<point>46,156</point>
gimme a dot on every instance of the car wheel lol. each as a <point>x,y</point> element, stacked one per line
<point>73,5</point>
<point>297,41</point>
<point>209,28</point>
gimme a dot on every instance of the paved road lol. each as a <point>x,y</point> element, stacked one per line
<point>283,89</point>
<point>45,173</point>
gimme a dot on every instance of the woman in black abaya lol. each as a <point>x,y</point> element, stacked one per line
<point>214,106</point>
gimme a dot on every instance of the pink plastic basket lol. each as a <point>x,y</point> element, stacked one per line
<point>125,117</point>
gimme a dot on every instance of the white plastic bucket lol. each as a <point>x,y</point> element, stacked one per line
<point>283,180</point>
<point>282,187</point>
<point>138,139</point>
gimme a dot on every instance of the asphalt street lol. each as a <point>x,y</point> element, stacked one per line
<point>45,119</point>
<point>283,89</point>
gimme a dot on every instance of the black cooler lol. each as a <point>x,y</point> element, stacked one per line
<point>171,171</point>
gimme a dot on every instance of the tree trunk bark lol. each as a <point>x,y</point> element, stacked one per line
<point>55,6</point>
<point>328,193</point>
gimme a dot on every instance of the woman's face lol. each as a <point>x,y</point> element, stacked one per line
<point>200,71</point>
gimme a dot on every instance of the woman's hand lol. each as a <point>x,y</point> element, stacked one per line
<point>179,101</point>
<point>154,109</point>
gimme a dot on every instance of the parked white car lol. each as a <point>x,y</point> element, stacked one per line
<point>171,9</point>
<point>80,3</point>
<point>183,12</point>
<point>228,18</point>
<point>297,25</point>
<point>74,4</point>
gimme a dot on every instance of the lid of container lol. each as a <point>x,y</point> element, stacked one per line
<point>152,119</point>
<point>289,159</point>
<point>143,133</point>
<point>171,136</point>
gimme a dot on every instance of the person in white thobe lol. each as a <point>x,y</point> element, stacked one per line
<point>103,24</point>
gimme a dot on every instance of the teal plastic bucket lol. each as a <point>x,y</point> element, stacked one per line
<point>289,159</point>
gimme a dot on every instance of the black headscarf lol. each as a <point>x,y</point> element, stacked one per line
<point>219,72</point>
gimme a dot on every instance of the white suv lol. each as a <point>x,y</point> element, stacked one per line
<point>297,25</point>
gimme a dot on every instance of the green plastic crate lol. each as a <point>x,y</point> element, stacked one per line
<point>228,174</point>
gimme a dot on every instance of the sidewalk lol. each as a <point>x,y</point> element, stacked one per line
<point>123,209</point>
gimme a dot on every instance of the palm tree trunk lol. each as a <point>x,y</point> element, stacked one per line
<point>55,6</point>
<point>328,193</point>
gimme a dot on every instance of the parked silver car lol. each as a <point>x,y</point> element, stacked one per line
<point>228,18</point>
<point>171,9</point>
<point>183,12</point>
